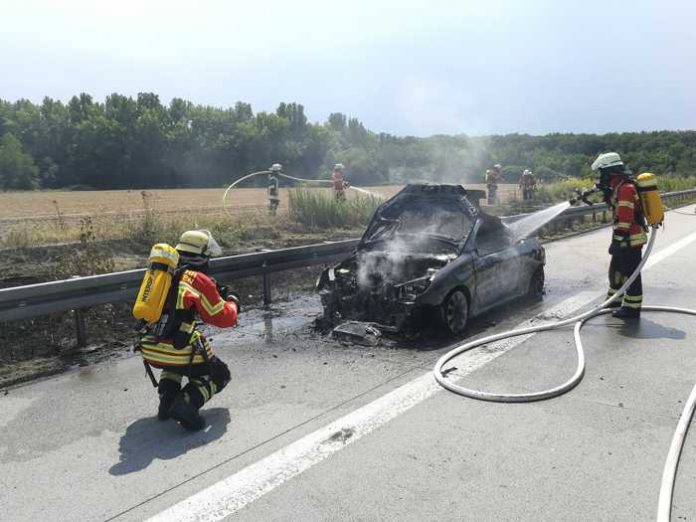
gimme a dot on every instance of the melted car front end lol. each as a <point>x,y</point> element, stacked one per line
<point>380,287</point>
<point>431,253</point>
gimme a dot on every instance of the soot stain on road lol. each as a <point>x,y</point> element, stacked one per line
<point>341,435</point>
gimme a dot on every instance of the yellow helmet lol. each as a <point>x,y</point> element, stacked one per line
<point>198,242</point>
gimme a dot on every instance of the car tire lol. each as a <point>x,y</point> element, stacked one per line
<point>535,291</point>
<point>455,312</point>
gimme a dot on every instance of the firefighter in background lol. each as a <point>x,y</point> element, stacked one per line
<point>527,185</point>
<point>273,188</point>
<point>493,176</point>
<point>339,183</point>
<point>183,351</point>
<point>629,234</point>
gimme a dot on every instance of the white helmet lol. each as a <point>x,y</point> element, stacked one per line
<point>199,242</point>
<point>606,160</point>
<point>497,166</point>
<point>276,167</point>
<point>338,166</point>
<point>527,172</point>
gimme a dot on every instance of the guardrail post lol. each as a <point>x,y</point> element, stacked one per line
<point>266,278</point>
<point>80,328</point>
<point>266,288</point>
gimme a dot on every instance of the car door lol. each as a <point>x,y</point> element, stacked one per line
<point>498,269</point>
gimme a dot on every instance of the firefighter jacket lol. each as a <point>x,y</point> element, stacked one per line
<point>527,181</point>
<point>273,187</point>
<point>629,223</point>
<point>339,183</point>
<point>492,177</point>
<point>197,298</point>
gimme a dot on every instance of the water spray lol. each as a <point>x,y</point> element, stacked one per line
<point>529,224</point>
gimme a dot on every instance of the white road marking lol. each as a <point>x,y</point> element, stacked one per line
<point>229,495</point>
<point>247,485</point>
<point>670,250</point>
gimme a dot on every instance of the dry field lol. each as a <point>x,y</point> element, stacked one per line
<point>16,206</point>
<point>39,218</point>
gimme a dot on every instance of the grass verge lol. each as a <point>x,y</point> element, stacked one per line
<point>314,209</point>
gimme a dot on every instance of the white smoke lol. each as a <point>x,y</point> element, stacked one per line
<point>389,260</point>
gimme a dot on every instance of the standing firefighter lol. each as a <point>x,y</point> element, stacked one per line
<point>492,177</point>
<point>527,184</point>
<point>629,235</point>
<point>273,188</point>
<point>339,183</point>
<point>173,342</point>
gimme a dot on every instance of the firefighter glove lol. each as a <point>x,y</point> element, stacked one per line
<point>234,297</point>
<point>222,290</point>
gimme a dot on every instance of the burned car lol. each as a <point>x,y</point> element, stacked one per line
<point>430,253</point>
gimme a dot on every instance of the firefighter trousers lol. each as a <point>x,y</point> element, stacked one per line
<point>204,381</point>
<point>624,261</point>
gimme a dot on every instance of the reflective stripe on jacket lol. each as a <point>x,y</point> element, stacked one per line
<point>199,292</point>
<point>163,353</point>
<point>625,203</point>
<point>196,293</point>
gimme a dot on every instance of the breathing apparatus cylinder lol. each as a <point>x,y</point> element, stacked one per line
<point>650,199</point>
<point>156,283</point>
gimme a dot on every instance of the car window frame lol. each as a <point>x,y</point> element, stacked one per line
<point>471,244</point>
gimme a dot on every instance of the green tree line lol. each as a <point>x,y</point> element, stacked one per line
<point>140,142</point>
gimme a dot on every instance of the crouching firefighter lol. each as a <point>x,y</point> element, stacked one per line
<point>629,231</point>
<point>177,294</point>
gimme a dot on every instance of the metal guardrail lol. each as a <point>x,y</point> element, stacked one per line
<point>25,302</point>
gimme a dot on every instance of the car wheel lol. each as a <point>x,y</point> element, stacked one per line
<point>535,292</point>
<point>455,312</point>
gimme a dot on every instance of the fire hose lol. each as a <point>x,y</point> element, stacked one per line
<point>302,180</point>
<point>672,461</point>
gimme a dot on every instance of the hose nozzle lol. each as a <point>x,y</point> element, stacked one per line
<point>582,196</point>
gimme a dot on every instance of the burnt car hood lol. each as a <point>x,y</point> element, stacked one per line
<point>457,207</point>
<point>376,270</point>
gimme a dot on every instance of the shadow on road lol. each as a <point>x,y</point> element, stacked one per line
<point>148,439</point>
<point>647,329</point>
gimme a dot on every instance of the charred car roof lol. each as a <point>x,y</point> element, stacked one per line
<point>450,209</point>
<point>469,199</point>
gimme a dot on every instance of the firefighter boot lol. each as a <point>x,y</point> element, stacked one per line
<point>627,313</point>
<point>186,412</point>
<point>616,303</point>
<point>165,404</point>
<point>168,389</point>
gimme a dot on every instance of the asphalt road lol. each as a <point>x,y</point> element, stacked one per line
<point>86,445</point>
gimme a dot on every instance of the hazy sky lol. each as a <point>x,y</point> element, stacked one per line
<point>421,68</point>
